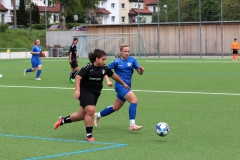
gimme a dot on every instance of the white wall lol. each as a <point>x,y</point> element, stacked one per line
<point>7,15</point>
<point>14,55</point>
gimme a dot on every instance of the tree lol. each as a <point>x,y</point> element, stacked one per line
<point>21,14</point>
<point>64,5</point>
<point>231,10</point>
<point>89,5</point>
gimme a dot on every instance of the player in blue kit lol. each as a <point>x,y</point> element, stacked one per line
<point>123,66</point>
<point>35,60</point>
<point>88,86</point>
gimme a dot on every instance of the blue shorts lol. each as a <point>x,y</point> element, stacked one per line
<point>36,63</point>
<point>121,92</point>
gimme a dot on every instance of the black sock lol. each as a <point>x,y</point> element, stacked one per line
<point>70,76</point>
<point>67,120</point>
<point>75,73</point>
<point>89,131</point>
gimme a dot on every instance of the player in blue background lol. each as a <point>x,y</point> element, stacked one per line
<point>35,60</point>
<point>123,66</point>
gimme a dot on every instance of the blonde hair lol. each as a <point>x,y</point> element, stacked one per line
<point>122,46</point>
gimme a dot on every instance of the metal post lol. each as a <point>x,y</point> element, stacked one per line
<point>45,14</point>
<point>200,28</point>
<point>222,28</point>
<point>138,29</point>
<point>179,36</point>
<point>158,32</point>
<point>30,11</point>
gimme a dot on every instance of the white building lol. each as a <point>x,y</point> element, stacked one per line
<point>6,8</point>
<point>125,11</point>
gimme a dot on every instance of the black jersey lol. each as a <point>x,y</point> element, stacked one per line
<point>93,76</point>
<point>73,49</point>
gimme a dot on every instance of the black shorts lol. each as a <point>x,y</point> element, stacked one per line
<point>88,97</point>
<point>235,51</point>
<point>74,64</point>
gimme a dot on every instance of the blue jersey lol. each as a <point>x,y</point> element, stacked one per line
<point>124,69</point>
<point>36,49</point>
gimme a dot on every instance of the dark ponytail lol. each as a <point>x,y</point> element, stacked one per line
<point>96,54</point>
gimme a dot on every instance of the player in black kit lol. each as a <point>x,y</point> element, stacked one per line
<point>73,61</point>
<point>88,86</point>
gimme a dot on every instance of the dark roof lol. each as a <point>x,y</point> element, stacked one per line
<point>55,8</point>
<point>2,8</point>
<point>102,11</point>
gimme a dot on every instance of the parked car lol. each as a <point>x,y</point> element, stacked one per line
<point>79,28</point>
<point>55,27</point>
<point>12,27</point>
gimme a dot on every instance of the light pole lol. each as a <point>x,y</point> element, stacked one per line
<point>30,12</point>
<point>45,14</point>
<point>166,11</point>
<point>138,29</point>
<point>158,32</point>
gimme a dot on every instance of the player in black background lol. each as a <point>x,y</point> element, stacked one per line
<point>73,61</point>
<point>88,86</point>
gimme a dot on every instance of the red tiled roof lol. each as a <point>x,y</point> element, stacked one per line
<point>150,2</point>
<point>102,11</point>
<point>134,11</point>
<point>55,8</point>
<point>136,0</point>
<point>2,8</point>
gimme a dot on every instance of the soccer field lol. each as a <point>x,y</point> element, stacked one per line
<point>197,97</point>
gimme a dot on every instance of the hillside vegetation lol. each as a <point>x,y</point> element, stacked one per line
<point>21,38</point>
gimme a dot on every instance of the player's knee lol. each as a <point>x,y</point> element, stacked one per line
<point>116,108</point>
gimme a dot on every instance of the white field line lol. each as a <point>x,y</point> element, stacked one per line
<point>148,91</point>
<point>189,61</point>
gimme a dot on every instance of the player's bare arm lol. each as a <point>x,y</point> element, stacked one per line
<point>77,87</point>
<point>109,83</point>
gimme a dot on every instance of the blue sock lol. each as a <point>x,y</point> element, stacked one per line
<point>132,110</point>
<point>38,73</point>
<point>29,70</point>
<point>107,111</point>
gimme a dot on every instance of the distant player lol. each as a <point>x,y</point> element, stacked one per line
<point>35,60</point>
<point>235,48</point>
<point>73,61</point>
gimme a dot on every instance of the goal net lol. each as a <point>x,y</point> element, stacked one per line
<point>110,44</point>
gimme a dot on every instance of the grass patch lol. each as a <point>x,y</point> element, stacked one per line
<point>198,98</point>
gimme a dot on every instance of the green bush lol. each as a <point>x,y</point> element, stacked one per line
<point>3,27</point>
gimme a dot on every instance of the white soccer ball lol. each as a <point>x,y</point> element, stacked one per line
<point>162,129</point>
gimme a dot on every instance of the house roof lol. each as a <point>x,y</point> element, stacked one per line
<point>2,8</point>
<point>55,8</point>
<point>102,11</point>
<point>150,2</point>
<point>134,11</point>
<point>136,0</point>
<point>145,10</point>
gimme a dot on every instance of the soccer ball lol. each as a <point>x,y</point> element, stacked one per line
<point>162,129</point>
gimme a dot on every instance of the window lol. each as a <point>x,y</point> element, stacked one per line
<point>56,18</point>
<point>154,9</point>
<point>2,18</point>
<point>27,2</point>
<point>112,5</point>
<point>12,2</point>
<point>123,5</point>
<point>113,19</point>
<point>0,1</point>
<point>101,4</point>
<point>123,19</point>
